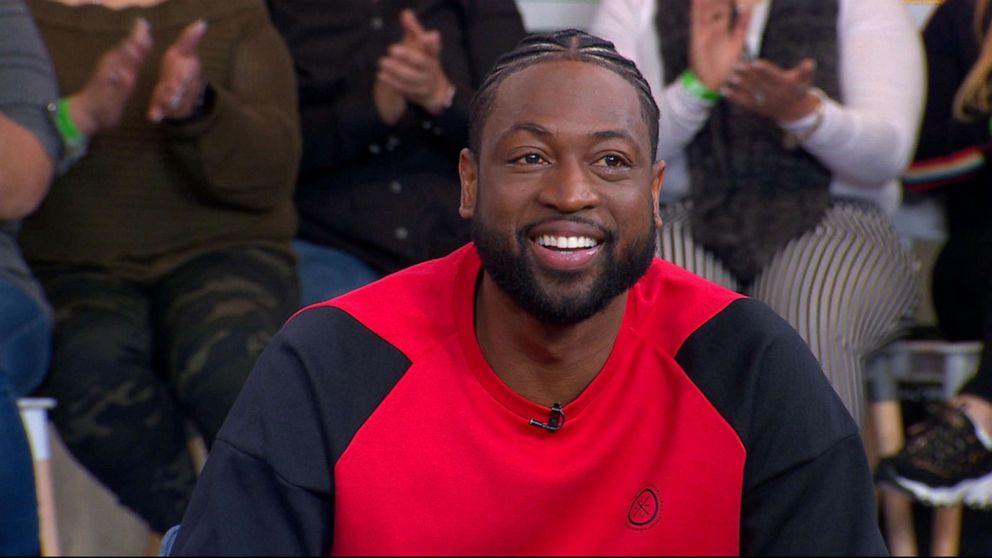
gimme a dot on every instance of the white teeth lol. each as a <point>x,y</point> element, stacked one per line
<point>566,242</point>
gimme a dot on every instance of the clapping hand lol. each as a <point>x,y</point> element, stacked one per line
<point>411,72</point>
<point>716,40</point>
<point>99,105</point>
<point>766,89</point>
<point>180,76</point>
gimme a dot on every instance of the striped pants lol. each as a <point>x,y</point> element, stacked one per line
<point>848,286</point>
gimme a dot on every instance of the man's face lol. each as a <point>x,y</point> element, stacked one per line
<point>563,194</point>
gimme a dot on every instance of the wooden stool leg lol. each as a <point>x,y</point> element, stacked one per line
<point>46,508</point>
<point>946,531</point>
<point>886,419</point>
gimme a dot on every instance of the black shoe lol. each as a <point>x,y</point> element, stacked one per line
<point>946,461</point>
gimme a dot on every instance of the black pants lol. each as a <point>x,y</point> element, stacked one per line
<point>132,363</point>
<point>962,295</point>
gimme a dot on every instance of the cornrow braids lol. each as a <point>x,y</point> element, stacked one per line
<point>566,44</point>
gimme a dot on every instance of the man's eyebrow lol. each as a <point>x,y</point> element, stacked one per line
<point>539,130</point>
<point>614,134</point>
<point>531,127</point>
<point>635,147</point>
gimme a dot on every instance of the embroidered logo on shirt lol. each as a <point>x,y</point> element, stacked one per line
<point>645,509</point>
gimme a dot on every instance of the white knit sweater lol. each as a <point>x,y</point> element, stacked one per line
<point>867,137</point>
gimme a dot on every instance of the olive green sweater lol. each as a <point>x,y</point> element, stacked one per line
<point>148,197</point>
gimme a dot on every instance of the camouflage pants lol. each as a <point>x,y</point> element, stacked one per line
<point>132,363</point>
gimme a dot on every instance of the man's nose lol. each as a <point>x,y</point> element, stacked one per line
<point>570,188</point>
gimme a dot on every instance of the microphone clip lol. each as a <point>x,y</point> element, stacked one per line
<point>555,420</point>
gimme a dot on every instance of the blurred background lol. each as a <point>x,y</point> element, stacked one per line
<point>90,522</point>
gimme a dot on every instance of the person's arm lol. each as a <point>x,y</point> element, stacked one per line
<point>869,136</point>
<point>823,506</point>
<point>629,25</point>
<point>27,134</point>
<point>335,73</point>
<point>807,484</point>
<point>25,171</point>
<point>244,151</point>
<point>950,151</point>
<point>267,488</point>
<point>491,29</point>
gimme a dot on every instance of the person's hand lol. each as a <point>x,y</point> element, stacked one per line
<point>180,77</point>
<point>389,103</point>
<point>100,104</point>
<point>766,89</point>
<point>716,40</point>
<point>412,67</point>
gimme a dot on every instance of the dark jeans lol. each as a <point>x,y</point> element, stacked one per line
<point>25,340</point>
<point>18,506</point>
<point>327,272</point>
<point>132,362</point>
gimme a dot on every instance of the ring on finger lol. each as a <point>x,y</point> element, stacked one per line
<point>759,97</point>
<point>177,97</point>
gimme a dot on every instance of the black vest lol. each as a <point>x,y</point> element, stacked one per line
<point>750,194</point>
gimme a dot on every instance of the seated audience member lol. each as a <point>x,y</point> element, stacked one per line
<point>551,388</point>
<point>30,145</point>
<point>384,92</point>
<point>165,250</point>
<point>786,126</point>
<point>948,458</point>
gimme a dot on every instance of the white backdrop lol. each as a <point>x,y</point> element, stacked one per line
<point>556,14</point>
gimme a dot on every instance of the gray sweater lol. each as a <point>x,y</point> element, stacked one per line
<point>27,85</point>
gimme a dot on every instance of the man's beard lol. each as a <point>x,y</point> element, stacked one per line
<point>515,274</point>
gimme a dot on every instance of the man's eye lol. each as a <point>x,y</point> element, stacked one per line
<point>530,159</point>
<point>613,161</point>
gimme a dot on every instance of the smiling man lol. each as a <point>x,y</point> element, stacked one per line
<point>550,388</point>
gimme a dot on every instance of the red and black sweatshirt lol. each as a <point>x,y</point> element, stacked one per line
<point>372,424</point>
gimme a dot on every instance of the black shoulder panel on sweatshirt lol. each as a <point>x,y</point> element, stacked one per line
<point>807,487</point>
<point>320,379</point>
<point>312,388</point>
<point>762,378</point>
<point>352,370</point>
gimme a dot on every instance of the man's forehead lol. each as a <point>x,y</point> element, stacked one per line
<point>565,94</point>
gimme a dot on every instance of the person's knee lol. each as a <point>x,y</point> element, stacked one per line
<point>211,369</point>
<point>25,354</point>
<point>25,339</point>
<point>96,350</point>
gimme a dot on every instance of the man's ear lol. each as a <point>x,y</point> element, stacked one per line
<point>468,172</point>
<point>657,177</point>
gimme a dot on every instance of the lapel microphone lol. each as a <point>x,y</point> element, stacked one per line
<point>555,420</point>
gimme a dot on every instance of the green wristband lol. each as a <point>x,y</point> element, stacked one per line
<point>63,121</point>
<point>74,142</point>
<point>698,89</point>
